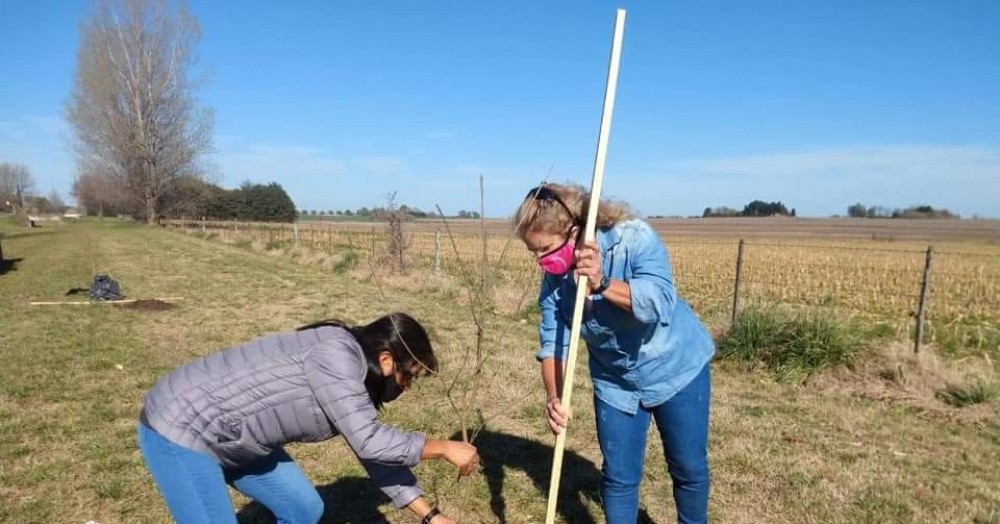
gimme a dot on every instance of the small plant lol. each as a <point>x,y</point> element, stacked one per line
<point>962,396</point>
<point>397,242</point>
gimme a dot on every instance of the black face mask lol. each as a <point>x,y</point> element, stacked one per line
<point>392,390</point>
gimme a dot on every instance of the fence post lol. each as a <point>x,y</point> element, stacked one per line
<point>925,286</point>
<point>373,243</point>
<point>202,224</point>
<point>295,232</point>
<point>437,252</point>
<point>736,284</point>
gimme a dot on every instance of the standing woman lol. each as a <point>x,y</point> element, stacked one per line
<point>224,419</point>
<point>649,353</point>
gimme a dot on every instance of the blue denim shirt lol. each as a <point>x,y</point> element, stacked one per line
<point>640,357</point>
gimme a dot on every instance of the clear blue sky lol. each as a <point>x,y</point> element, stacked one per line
<point>816,104</point>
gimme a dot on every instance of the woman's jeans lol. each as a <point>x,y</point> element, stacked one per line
<point>194,484</point>
<point>682,422</point>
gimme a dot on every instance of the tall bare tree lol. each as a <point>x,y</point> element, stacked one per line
<point>16,185</point>
<point>132,108</point>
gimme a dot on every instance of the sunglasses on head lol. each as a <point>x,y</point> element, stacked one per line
<point>544,194</point>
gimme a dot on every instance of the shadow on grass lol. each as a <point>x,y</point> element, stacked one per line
<point>350,500</point>
<point>9,264</point>
<point>581,480</point>
<point>355,500</point>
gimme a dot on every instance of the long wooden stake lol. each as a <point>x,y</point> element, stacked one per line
<point>91,302</point>
<point>582,285</point>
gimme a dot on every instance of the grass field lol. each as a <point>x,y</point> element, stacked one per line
<point>847,447</point>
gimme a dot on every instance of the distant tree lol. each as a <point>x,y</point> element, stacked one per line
<point>56,201</point>
<point>16,185</point>
<point>759,208</point>
<point>132,110</point>
<point>99,195</point>
<point>857,210</point>
<point>348,212</point>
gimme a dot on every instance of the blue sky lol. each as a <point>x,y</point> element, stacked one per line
<point>816,104</point>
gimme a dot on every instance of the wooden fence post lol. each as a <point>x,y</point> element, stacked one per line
<point>922,307</point>
<point>295,232</point>
<point>736,284</point>
<point>437,252</point>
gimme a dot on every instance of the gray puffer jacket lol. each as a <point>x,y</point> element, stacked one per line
<point>241,404</point>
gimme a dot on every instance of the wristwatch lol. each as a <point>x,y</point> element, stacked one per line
<point>430,515</point>
<point>603,286</point>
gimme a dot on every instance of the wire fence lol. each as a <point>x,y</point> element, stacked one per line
<point>948,295</point>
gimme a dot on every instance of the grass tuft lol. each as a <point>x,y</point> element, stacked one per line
<point>790,344</point>
<point>961,396</point>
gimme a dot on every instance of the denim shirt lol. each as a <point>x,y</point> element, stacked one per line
<point>640,357</point>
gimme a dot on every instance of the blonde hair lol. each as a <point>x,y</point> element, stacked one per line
<point>550,216</point>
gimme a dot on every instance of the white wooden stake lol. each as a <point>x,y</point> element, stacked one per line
<point>583,286</point>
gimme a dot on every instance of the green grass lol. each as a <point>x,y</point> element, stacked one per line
<point>73,377</point>
<point>791,344</point>
<point>961,396</point>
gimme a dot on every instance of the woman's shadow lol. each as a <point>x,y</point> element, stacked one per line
<point>353,500</point>
<point>356,500</point>
<point>580,479</point>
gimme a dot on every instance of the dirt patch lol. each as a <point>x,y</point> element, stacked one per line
<point>148,305</point>
<point>898,376</point>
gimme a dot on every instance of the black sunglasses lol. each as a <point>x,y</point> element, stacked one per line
<point>545,194</point>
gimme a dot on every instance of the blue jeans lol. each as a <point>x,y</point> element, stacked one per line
<point>682,422</point>
<point>194,484</point>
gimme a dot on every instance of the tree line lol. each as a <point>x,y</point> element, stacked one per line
<point>193,198</point>
<point>377,213</point>
<point>859,210</point>
<point>756,208</point>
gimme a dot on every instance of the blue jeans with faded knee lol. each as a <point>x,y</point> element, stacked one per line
<point>682,423</point>
<point>194,484</point>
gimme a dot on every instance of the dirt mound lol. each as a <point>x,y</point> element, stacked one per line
<point>148,305</point>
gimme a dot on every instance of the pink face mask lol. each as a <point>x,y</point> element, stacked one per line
<point>559,260</point>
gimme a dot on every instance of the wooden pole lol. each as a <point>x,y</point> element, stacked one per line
<point>736,285</point>
<point>582,287</point>
<point>91,302</point>
<point>922,307</point>
<point>437,252</point>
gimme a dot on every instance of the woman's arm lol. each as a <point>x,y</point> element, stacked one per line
<point>462,454</point>
<point>552,378</point>
<point>650,295</point>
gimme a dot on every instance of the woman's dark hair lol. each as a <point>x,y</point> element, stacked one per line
<point>399,334</point>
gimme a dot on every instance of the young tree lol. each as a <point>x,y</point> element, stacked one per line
<point>132,110</point>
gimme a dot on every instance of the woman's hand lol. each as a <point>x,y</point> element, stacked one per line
<point>588,262</point>
<point>463,455</point>
<point>441,519</point>
<point>556,415</point>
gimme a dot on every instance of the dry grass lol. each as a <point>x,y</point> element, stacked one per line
<point>872,278</point>
<point>780,452</point>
